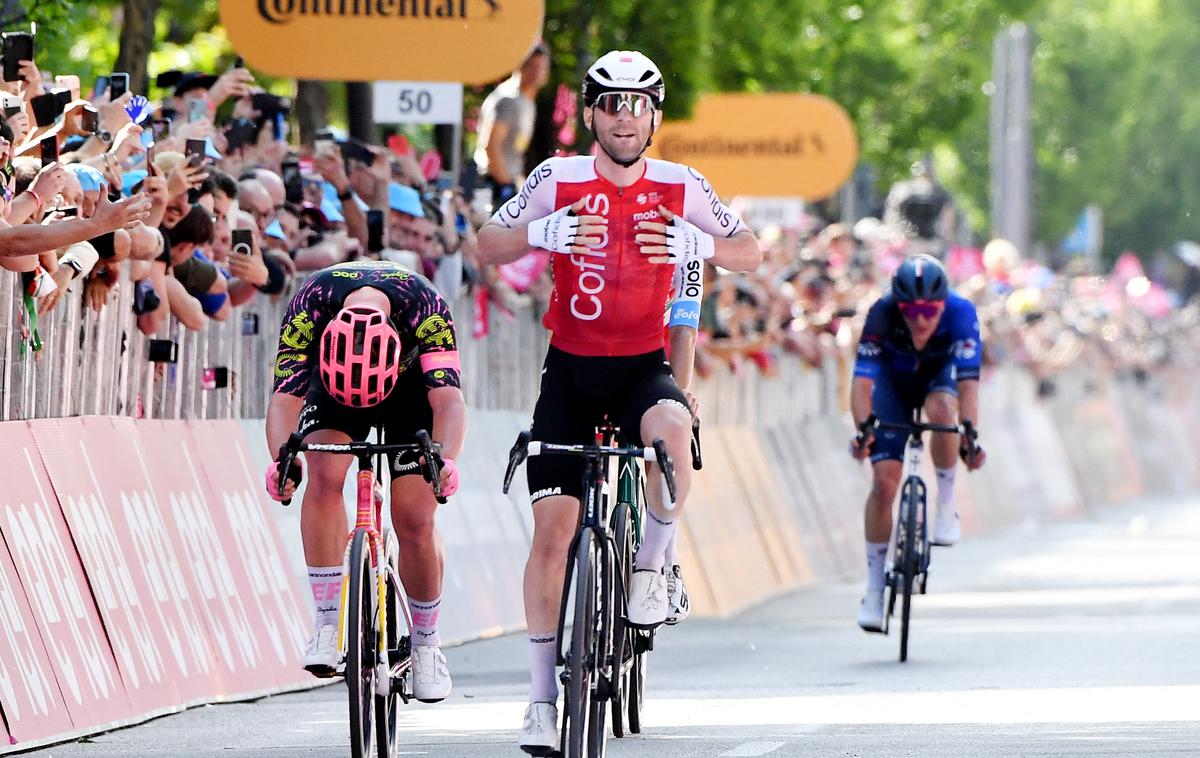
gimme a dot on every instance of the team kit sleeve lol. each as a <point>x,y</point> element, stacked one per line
<point>431,325</point>
<point>689,292</point>
<point>534,200</point>
<point>296,351</point>
<point>870,344</point>
<point>968,345</point>
<point>703,207</point>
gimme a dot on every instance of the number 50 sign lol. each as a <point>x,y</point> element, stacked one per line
<point>418,102</point>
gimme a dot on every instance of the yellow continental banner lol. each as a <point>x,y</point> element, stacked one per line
<point>470,41</point>
<point>764,145</point>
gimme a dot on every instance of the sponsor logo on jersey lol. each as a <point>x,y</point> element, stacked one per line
<point>869,349</point>
<point>435,331</point>
<point>966,350</point>
<point>298,332</point>
<point>686,313</point>
<point>721,214</point>
<point>645,198</point>
<point>647,216</point>
<point>546,493</point>
<point>586,304</point>
<point>693,279</point>
<point>513,208</point>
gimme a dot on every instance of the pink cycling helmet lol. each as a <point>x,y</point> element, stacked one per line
<point>360,357</point>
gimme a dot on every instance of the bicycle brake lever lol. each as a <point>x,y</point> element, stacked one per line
<point>697,457</point>
<point>433,465</point>
<point>518,453</point>
<point>287,456</point>
<point>667,466</point>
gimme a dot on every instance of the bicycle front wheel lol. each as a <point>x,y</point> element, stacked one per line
<point>387,706</point>
<point>908,563</point>
<point>361,646</point>
<point>581,669</point>
<point>624,658</point>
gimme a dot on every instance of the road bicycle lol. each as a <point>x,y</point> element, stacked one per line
<point>907,569</point>
<point>375,648</point>
<point>604,666</point>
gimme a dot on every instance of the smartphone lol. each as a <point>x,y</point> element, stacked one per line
<point>353,149</point>
<point>293,182</point>
<point>162,351</point>
<point>69,82</point>
<point>241,132</point>
<point>63,96</point>
<point>89,121</point>
<point>214,378</point>
<point>195,147</point>
<point>118,84</point>
<point>49,150</point>
<point>277,126</point>
<point>374,231</point>
<point>46,109</point>
<point>68,211</point>
<point>161,127</point>
<point>101,86</point>
<point>239,62</point>
<point>243,242</point>
<point>12,106</point>
<point>17,46</point>
<point>197,109</point>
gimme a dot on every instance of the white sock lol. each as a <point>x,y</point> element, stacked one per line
<point>945,486</point>
<point>543,652</point>
<point>671,556</point>
<point>652,554</point>
<point>876,558</point>
<point>425,617</point>
<point>326,584</point>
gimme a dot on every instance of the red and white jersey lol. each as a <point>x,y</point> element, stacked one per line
<point>612,304</point>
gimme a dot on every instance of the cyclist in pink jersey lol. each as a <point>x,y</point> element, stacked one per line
<point>619,224</point>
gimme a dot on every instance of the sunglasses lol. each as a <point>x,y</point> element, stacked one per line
<point>921,308</point>
<point>637,103</point>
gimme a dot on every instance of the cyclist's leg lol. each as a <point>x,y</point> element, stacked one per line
<point>888,403</point>
<point>941,407</point>
<point>563,414</point>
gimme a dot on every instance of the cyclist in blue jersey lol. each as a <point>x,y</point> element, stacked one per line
<point>920,348</point>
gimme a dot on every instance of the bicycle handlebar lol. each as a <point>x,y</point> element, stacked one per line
<point>525,447</point>
<point>431,455</point>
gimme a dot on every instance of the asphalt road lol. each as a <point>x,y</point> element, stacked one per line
<point>1074,640</point>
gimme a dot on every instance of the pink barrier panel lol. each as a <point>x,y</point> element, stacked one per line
<point>174,496</point>
<point>252,580</point>
<point>30,699</point>
<point>51,571</point>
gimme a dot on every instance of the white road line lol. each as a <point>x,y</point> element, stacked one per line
<point>754,748</point>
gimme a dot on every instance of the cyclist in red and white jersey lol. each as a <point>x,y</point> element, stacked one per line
<point>619,225</point>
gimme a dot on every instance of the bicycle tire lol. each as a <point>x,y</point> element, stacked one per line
<point>637,688</point>
<point>387,720</point>
<point>622,633</point>
<point>909,564</point>
<point>361,646</point>
<point>580,663</point>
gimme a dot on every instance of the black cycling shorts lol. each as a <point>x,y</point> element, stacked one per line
<point>405,411</point>
<point>577,393</point>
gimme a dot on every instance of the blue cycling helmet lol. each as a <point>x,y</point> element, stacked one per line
<point>920,277</point>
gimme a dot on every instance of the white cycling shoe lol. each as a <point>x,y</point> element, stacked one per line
<point>678,606</point>
<point>539,732</point>
<point>431,676</point>
<point>321,659</point>
<point>647,599</point>
<point>870,613</point>
<point>946,530</point>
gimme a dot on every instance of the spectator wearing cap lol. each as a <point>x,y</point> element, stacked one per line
<point>201,280</point>
<point>506,122</point>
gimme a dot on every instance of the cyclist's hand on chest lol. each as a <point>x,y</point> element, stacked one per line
<point>567,231</point>
<point>674,242</point>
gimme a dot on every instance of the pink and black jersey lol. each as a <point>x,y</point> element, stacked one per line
<point>612,304</point>
<point>419,314</point>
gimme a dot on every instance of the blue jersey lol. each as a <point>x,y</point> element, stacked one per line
<point>886,344</point>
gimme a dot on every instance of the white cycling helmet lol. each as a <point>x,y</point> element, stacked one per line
<point>623,71</point>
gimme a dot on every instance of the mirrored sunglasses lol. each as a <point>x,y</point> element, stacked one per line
<point>920,308</point>
<point>637,103</point>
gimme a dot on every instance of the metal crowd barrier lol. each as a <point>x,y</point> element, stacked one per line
<point>98,364</point>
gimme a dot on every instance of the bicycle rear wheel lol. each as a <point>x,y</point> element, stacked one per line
<point>581,664</point>
<point>908,563</point>
<point>387,707</point>
<point>361,646</point>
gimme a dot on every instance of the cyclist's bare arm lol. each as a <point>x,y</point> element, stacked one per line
<point>449,419</point>
<point>860,398</point>
<point>500,244</point>
<point>968,401</point>
<point>683,355</point>
<point>737,253</point>
<point>283,416</point>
